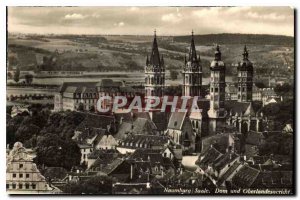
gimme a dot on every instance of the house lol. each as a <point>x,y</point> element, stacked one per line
<point>133,142</point>
<point>23,176</point>
<point>102,156</point>
<point>250,177</point>
<point>152,162</point>
<point>269,96</point>
<point>180,130</point>
<point>85,150</point>
<point>106,142</point>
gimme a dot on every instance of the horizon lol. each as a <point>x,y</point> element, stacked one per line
<point>43,34</point>
<point>171,21</point>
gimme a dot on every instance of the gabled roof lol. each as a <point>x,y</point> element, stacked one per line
<point>208,157</point>
<point>224,160</point>
<point>95,121</point>
<point>142,126</point>
<point>245,177</point>
<point>249,111</point>
<point>176,120</point>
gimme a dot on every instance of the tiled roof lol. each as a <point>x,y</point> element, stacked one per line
<point>274,179</point>
<point>245,177</point>
<point>224,160</point>
<point>101,153</point>
<point>95,121</point>
<point>209,156</point>
<point>176,120</point>
<point>160,119</point>
<point>149,140</point>
<point>63,87</point>
<point>229,172</point>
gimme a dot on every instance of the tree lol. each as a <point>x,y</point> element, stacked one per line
<point>173,74</point>
<point>28,78</point>
<point>17,75</point>
<point>26,131</point>
<point>260,85</point>
<point>53,151</point>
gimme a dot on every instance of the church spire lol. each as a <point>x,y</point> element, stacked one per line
<point>192,53</point>
<point>154,58</point>
<point>245,54</point>
<point>218,54</point>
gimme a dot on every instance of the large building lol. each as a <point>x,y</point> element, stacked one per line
<point>84,95</point>
<point>192,73</point>
<point>23,176</point>
<point>154,72</point>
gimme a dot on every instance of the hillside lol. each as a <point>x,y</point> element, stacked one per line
<point>128,53</point>
<point>242,39</point>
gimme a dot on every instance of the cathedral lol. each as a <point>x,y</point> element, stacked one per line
<point>217,115</point>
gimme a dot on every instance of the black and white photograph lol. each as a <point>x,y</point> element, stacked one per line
<point>150,100</point>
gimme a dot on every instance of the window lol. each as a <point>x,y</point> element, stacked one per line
<point>21,166</point>
<point>216,89</point>
<point>165,154</point>
<point>20,175</point>
<point>14,186</point>
<point>27,175</point>
<point>27,185</point>
<point>33,186</point>
<point>14,175</point>
<point>7,186</point>
<point>20,186</point>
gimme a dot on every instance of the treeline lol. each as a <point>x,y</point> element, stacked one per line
<point>227,38</point>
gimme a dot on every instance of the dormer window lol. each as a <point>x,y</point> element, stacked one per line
<point>175,123</point>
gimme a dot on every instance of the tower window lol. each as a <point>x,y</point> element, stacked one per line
<point>21,166</point>
<point>14,175</point>
<point>216,89</point>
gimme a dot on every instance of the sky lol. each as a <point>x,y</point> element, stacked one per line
<point>143,20</point>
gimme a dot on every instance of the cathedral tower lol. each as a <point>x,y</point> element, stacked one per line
<point>154,72</point>
<point>245,78</point>
<point>217,90</point>
<point>192,73</point>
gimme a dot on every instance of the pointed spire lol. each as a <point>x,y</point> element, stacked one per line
<point>218,54</point>
<point>192,53</point>
<point>245,54</point>
<point>154,58</point>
